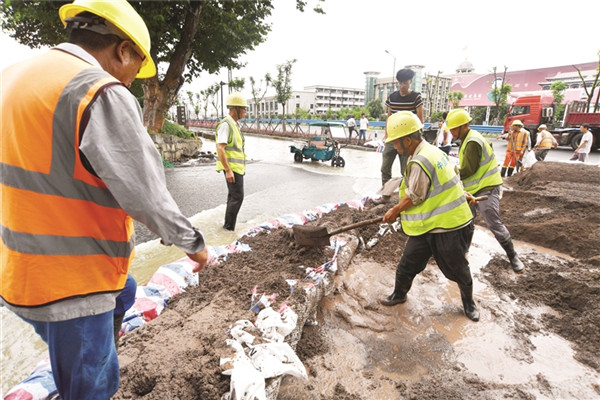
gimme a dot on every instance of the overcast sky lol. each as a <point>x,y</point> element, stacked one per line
<point>353,36</point>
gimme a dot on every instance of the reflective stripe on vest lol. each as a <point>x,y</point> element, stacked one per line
<point>63,233</point>
<point>445,205</point>
<point>518,142</point>
<point>234,150</point>
<point>547,141</point>
<point>488,173</point>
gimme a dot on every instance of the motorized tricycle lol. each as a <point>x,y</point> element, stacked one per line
<point>320,148</point>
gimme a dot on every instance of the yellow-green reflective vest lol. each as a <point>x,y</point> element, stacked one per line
<point>234,150</point>
<point>488,173</point>
<point>445,206</point>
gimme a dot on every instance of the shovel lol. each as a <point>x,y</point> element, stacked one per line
<point>319,236</point>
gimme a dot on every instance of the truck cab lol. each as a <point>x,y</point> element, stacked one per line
<point>533,111</point>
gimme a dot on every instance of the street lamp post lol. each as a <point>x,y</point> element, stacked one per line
<point>394,70</point>
<point>222,114</point>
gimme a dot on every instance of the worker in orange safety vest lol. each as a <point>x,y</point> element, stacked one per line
<point>517,144</point>
<point>76,166</point>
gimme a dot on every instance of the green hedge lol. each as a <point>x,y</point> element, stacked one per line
<point>169,128</point>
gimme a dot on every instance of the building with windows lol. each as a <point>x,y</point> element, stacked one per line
<point>370,81</point>
<point>316,99</point>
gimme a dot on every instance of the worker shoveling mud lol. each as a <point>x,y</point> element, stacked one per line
<point>537,337</point>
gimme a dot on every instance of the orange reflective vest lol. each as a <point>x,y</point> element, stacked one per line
<point>517,141</point>
<point>63,233</point>
<point>547,141</point>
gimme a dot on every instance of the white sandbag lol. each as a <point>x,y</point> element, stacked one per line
<point>276,359</point>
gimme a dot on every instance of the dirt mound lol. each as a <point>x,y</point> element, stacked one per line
<point>551,205</point>
<point>555,205</point>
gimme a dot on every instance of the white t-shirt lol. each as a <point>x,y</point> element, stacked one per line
<point>588,144</point>
<point>351,122</point>
<point>444,135</point>
<point>223,131</point>
<point>364,123</point>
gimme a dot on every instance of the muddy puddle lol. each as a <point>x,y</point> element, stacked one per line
<point>363,350</point>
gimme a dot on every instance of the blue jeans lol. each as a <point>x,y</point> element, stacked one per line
<point>362,134</point>
<point>82,355</point>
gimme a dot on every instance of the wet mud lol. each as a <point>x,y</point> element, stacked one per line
<point>537,337</point>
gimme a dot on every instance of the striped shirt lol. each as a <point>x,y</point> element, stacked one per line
<point>410,102</point>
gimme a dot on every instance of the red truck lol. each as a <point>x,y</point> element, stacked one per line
<point>533,111</point>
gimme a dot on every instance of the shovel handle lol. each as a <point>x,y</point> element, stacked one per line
<point>355,225</point>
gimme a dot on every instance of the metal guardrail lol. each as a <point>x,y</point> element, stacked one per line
<point>274,123</point>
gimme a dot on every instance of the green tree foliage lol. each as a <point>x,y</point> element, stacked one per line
<point>194,102</point>
<point>478,114</point>
<point>375,109</point>
<point>283,84</point>
<point>558,93</point>
<point>236,84</point>
<point>188,37</point>
<point>436,116</point>
<point>500,93</point>
<point>258,93</point>
<point>455,97</point>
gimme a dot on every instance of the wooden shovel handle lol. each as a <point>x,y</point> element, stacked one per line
<point>355,225</point>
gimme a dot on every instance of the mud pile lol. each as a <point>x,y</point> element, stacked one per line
<point>553,205</point>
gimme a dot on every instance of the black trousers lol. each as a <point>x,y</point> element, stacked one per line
<point>235,198</point>
<point>449,251</point>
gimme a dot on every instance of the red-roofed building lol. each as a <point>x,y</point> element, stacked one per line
<point>476,87</point>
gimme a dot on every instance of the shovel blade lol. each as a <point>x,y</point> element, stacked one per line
<point>313,236</point>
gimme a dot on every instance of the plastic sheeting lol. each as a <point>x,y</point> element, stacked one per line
<point>171,279</point>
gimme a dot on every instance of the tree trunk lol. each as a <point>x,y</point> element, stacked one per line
<point>159,95</point>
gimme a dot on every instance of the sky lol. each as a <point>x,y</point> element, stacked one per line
<point>355,36</point>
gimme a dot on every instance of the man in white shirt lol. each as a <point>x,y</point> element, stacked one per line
<point>351,124</point>
<point>364,125</point>
<point>582,152</point>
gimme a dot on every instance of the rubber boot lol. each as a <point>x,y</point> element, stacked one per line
<point>515,262</point>
<point>503,172</point>
<point>466,295</point>
<point>402,287</point>
<point>117,322</point>
<point>509,172</point>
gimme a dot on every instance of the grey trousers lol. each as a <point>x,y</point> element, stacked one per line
<point>490,212</point>
<point>387,161</point>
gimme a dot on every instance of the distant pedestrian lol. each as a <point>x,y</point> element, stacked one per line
<point>364,125</point>
<point>351,124</point>
<point>403,99</point>
<point>544,142</point>
<point>582,153</point>
<point>444,137</point>
<point>232,158</point>
<point>517,144</point>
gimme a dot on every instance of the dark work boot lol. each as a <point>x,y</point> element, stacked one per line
<point>393,299</point>
<point>402,287</point>
<point>466,295</point>
<point>509,172</point>
<point>515,262</point>
<point>503,172</point>
<point>117,322</point>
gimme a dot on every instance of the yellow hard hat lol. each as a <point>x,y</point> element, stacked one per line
<point>401,124</point>
<point>236,99</point>
<point>517,122</point>
<point>457,117</point>
<point>123,16</point>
